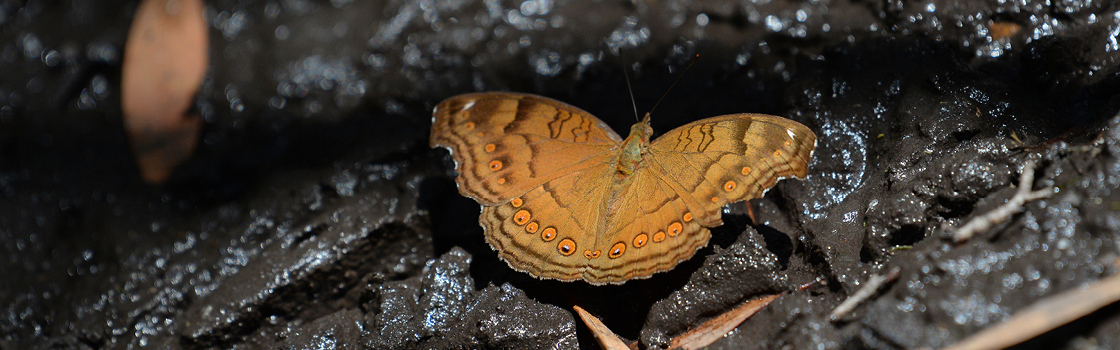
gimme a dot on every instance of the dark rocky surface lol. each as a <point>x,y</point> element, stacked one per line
<point>315,216</point>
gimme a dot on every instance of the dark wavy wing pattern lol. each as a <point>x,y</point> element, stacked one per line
<point>731,158</point>
<point>506,144</point>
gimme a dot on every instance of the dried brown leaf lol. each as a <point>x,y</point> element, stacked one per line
<point>165,60</point>
<point>607,339</point>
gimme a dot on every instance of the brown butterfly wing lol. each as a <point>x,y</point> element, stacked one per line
<point>547,194</point>
<point>550,231</point>
<point>650,229</point>
<point>730,158</point>
<point>663,217</point>
<point>505,144</point>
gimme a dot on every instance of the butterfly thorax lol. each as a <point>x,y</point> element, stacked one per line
<point>633,148</point>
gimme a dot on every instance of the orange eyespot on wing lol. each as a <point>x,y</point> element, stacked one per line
<point>640,240</point>
<point>674,229</point>
<point>548,234</point>
<point>566,247</point>
<point>616,250</point>
<point>521,217</point>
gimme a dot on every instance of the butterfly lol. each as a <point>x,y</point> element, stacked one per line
<point>564,197</point>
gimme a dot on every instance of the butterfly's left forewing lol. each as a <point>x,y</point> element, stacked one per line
<point>506,144</point>
<point>541,170</point>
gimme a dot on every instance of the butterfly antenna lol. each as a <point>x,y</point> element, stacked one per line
<point>690,63</point>
<point>628,87</point>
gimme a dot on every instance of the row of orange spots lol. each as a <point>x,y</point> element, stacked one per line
<point>641,239</point>
<point>567,246</point>
<point>730,185</point>
<point>495,165</point>
<point>521,217</point>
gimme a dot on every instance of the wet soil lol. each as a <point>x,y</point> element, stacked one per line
<point>314,215</point>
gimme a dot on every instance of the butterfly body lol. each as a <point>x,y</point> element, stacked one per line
<point>566,198</point>
<point>634,147</point>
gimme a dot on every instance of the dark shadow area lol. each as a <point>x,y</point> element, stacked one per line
<point>777,242</point>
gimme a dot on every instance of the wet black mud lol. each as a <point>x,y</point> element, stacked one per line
<point>314,215</point>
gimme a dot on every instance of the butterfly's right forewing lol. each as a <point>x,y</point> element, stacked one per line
<point>731,158</point>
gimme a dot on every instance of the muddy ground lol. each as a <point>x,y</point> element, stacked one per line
<point>314,215</point>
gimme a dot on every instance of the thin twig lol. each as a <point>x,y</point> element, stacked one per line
<point>1004,212</point>
<point>870,287</point>
<point>1045,315</point>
